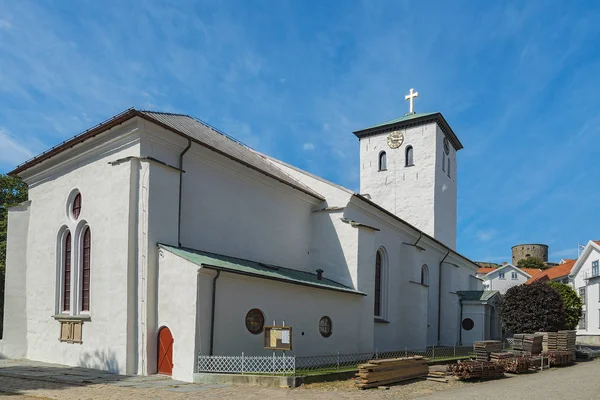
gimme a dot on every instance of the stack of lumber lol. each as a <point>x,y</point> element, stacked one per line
<point>528,344</point>
<point>483,349</point>
<point>516,365</point>
<point>558,358</point>
<point>566,340</point>
<point>549,341</point>
<point>495,357</point>
<point>476,370</point>
<point>437,376</point>
<point>384,372</point>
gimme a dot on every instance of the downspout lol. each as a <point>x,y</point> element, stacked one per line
<point>439,326</point>
<point>180,189</point>
<point>460,323</point>
<point>212,312</point>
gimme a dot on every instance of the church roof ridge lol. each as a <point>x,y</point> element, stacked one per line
<point>256,269</point>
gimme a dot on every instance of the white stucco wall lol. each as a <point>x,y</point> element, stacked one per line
<point>494,282</point>
<point>105,193</point>
<point>14,339</point>
<point>445,192</point>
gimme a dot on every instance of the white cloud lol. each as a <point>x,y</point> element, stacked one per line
<point>308,146</point>
<point>485,235</point>
<point>12,152</point>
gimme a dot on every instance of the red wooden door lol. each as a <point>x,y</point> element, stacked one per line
<point>165,351</point>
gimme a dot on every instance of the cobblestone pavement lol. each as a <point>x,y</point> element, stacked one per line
<point>32,380</point>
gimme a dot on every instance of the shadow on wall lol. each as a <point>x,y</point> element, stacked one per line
<point>102,360</point>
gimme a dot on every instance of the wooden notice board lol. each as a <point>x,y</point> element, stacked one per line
<point>278,338</point>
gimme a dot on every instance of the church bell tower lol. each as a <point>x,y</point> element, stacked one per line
<point>408,166</point>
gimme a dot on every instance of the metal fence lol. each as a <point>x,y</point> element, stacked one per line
<point>292,364</point>
<point>277,365</point>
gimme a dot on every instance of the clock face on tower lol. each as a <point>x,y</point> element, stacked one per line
<point>395,139</point>
<point>446,146</point>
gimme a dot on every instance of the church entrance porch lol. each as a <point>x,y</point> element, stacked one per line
<point>165,352</point>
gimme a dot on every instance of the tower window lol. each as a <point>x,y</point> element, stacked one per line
<point>444,162</point>
<point>409,156</point>
<point>425,275</point>
<point>382,161</point>
<point>448,167</point>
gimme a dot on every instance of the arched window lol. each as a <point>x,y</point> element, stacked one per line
<point>66,273</point>
<point>382,161</point>
<point>409,156</point>
<point>378,262</point>
<point>443,161</point>
<point>425,275</point>
<point>85,270</point>
<point>76,210</point>
<point>448,167</point>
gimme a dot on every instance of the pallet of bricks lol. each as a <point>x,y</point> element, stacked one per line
<point>511,363</point>
<point>565,349</point>
<point>549,341</point>
<point>467,370</point>
<point>385,372</point>
<point>483,349</point>
<point>527,344</point>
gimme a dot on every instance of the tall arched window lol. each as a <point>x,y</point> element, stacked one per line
<point>85,270</point>
<point>448,167</point>
<point>66,275</point>
<point>409,156</point>
<point>382,161</point>
<point>443,161</point>
<point>378,262</point>
<point>425,275</point>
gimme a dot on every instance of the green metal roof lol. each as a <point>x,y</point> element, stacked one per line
<point>477,295</point>
<point>256,269</point>
<point>406,117</point>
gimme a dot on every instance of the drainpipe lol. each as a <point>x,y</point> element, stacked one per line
<point>180,189</point>
<point>460,323</point>
<point>212,312</point>
<point>439,326</point>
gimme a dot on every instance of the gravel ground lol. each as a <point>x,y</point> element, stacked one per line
<point>577,382</point>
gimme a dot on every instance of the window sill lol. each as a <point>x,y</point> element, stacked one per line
<point>419,283</point>
<point>67,317</point>
<point>381,320</point>
<point>382,170</point>
<point>409,165</point>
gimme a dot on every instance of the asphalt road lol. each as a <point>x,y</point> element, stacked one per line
<point>581,381</point>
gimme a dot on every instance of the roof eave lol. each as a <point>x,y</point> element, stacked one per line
<point>437,117</point>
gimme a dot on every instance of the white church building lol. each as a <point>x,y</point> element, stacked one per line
<point>153,237</point>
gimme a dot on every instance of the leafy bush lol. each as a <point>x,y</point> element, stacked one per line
<point>572,303</point>
<point>532,308</point>
<point>531,262</point>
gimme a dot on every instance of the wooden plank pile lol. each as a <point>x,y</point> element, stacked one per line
<point>483,349</point>
<point>566,340</point>
<point>528,343</point>
<point>466,370</point>
<point>559,358</point>
<point>385,372</point>
<point>549,341</point>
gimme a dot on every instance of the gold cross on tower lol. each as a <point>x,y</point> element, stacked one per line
<point>410,97</point>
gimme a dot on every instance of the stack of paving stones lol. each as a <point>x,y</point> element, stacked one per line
<point>483,349</point>
<point>528,344</point>
<point>549,341</point>
<point>566,340</point>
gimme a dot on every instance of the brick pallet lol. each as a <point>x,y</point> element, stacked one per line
<point>566,340</point>
<point>476,370</point>
<point>560,358</point>
<point>549,341</point>
<point>528,343</point>
<point>483,349</point>
<point>385,372</point>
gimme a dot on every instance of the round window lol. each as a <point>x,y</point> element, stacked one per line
<point>468,324</point>
<point>255,321</point>
<point>325,326</point>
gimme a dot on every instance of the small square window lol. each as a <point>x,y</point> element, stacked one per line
<point>501,275</point>
<point>513,275</point>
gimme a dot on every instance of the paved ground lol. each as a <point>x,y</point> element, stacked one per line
<point>31,380</point>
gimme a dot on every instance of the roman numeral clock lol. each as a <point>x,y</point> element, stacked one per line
<point>395,139</point>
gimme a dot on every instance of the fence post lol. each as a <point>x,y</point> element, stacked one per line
<point>454,350</point>
<point>338,360</point>
<point>273,363</point>
<point>242,363</point>
<point>376,353</point>
<point>433,354</point>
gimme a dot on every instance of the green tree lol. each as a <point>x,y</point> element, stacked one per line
<point>572,303</point>
<point>532,308</point>
<point>12,192</point>
<point>531,262</point>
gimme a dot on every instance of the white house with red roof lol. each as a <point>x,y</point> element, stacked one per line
<point>153,238</point>
<point>505,277</point>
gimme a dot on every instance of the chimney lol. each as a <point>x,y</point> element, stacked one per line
<point>504,263</point>
<point>319,274</point>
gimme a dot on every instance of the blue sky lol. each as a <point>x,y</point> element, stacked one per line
<point>518,82</point>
